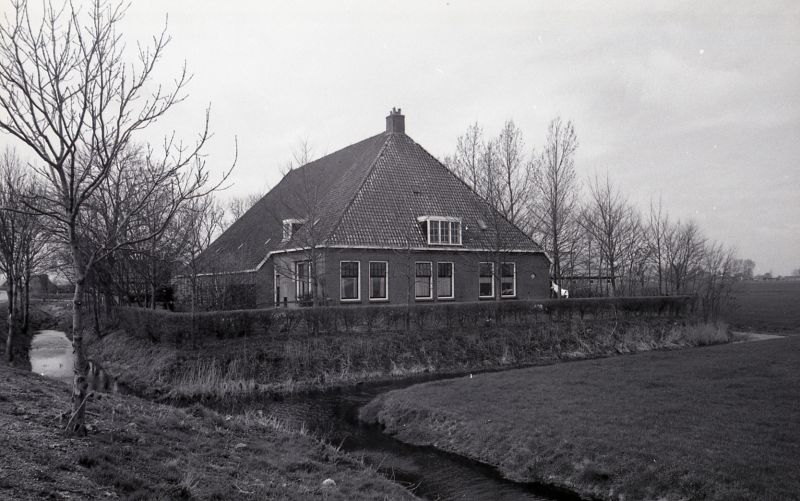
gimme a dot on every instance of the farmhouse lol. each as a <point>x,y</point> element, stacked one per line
<point>380,221</point>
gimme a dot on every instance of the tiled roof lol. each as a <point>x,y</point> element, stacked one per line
<point>368,194</point>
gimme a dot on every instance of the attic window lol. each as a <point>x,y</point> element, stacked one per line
<point>441,230</point>
<point>290,227</point>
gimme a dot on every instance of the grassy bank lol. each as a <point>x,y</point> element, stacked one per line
<point>242,367</point>
<point>140,450</point>
<point>715,423</point>
<point>765,306</point>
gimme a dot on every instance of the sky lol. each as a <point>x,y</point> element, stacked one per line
<point>695,103</point>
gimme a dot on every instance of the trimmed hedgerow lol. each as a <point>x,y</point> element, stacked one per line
<point>178,328</point>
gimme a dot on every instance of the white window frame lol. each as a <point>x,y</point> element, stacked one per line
<point>369,282</point>
<point>452,234</point>
<point>479,280</point>
<point>358,283</point>
<point>452,280</point>
<point>287,227</point>
<point>430,282</point>
<point>309,279</point>
<point>514,264</point>
<point>276,285</point>
<point>438,223</point>
<point>440,220</point>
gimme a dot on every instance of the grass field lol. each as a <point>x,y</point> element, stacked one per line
<point>718,423</point>
<point>765,306</point>
<point>140,450</point>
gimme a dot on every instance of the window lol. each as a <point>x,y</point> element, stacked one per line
<point>441,230</point>
<point>290,227</point>
<point>508,280</point>
<point>444,280</point>
<point>486,280</point>
<point>378,280</point>
<point>433,235</point>
<point>350,272</point>
<point>455,232</point>
<point>303,280</point>
<point>423,281</point>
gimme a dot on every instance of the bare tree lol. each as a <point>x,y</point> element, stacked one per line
<point>745,268</point>
<point>516,175</point>
<point>718,273</point>
<point>302,232</point>
<point>656,233</point>
<point>466,163</point>
<point>611,222</point>
<point>155,241</point>
<point>67,93</point>
<point>302,153</point>
<point>684,247</point>
<point>556,199</point>
<point>21,243</point>
<point>202,220</point>
<point>235,207</point>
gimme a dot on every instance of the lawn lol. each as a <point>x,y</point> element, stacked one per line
<point>717,423</point>
<point>141,450</point>
<point>766,306</point>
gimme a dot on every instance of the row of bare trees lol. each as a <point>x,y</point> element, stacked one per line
<point>598,241</point>
<point>24,249</point>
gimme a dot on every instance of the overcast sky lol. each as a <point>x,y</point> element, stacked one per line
<point>695,102</point>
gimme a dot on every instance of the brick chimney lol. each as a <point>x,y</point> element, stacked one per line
<point>396,122</point>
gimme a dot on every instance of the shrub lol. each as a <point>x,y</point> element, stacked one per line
<point>176,328</point>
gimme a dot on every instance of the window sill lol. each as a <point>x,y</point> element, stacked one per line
<point>484,298</point>
<point>358,300</point>
<point>379,300</point>
<point>448,298</point>
<point>423,299</point>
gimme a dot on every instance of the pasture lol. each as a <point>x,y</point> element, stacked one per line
<point>715,423</point>
<point>772,306</point>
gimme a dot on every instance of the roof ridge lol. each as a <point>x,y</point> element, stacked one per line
<point>371,168</point>
<point>475,193</point>
<point>323,157</point>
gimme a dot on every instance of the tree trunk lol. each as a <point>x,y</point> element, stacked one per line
<point>26,303</point>
<point>96,310</point>
<point>10,334</point>
<point>76,425</point>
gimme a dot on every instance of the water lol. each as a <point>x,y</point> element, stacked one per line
<point>430,473</point>
<point>51,355</point>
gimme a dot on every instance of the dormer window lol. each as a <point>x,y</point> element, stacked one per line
<point>441,230</point>
<point>290,227</point>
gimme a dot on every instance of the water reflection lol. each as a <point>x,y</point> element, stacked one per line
<point>51,355</point>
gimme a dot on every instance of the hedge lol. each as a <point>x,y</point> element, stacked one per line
<point>177,328</point>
